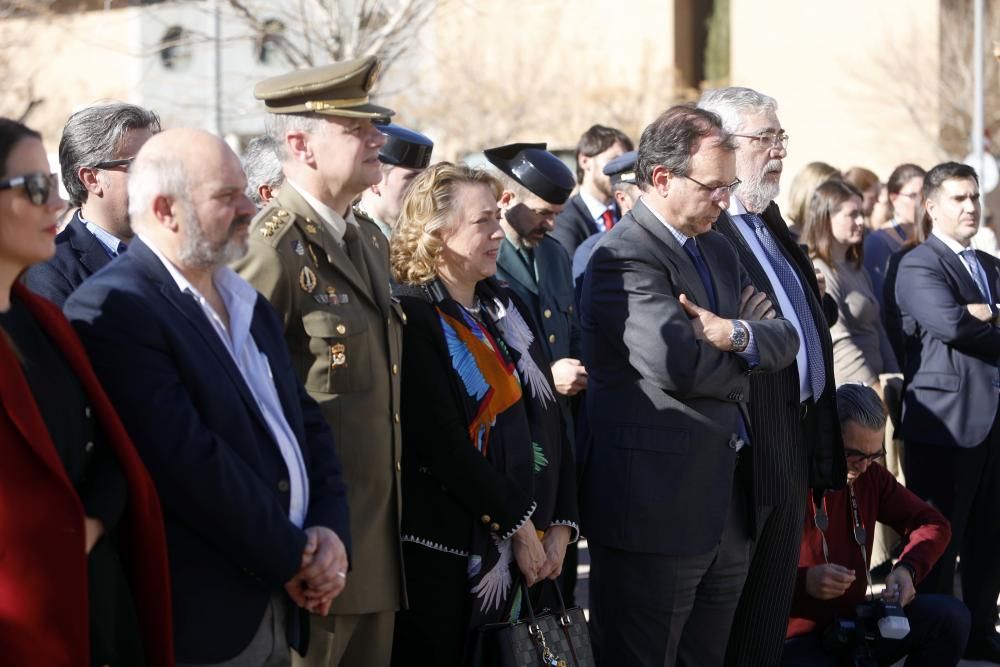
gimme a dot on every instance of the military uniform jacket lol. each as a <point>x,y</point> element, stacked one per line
<point>345,342</point>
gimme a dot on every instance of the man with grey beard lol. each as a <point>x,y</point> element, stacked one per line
<point>793,417</point>
<point>195,361</point>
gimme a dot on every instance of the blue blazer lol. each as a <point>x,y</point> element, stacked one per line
<point>950,374</point>
<point>222,481</point>
<point>78,256</point>
<point>574,225</point>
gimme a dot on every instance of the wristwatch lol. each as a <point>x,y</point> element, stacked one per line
<point>740,337</point>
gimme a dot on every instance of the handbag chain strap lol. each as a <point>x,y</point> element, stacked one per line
<point>549,659</point>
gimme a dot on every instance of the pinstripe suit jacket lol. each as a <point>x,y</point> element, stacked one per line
<point>774,397</point>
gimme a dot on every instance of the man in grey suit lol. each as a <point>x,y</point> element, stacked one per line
<point>666,483</point>
<point>793,411</point>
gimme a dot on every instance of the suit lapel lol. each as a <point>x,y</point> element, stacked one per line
<point>88,249</point>
<point>589,224</point>
<point>964,281</point>
<point>672,254</point>
<point>196,317</point>
<point>336,256</point>
<point>371,235</point>
<point>729,228</point>
<point>726,293</point>
<point>514,266</point>
<point>989,264</point>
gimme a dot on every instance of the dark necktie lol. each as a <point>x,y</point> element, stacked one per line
<point>969,255</point>
<point>527,256</point>
<point>795,293</point>
<point>121,248</point>
<point>691,247</point>
<point>352,243</point>
<point>609,219</point>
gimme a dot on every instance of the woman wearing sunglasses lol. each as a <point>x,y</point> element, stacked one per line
<point>83,569</point>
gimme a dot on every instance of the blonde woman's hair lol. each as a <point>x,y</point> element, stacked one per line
<point>804,185</point>
<point>428,206</point>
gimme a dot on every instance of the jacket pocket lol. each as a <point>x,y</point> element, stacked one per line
<point>341,351</point>
<point>938,381</point>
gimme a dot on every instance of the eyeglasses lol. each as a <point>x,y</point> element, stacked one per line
<point>716,191</point>
<point>38,185</point>
<point>861,456</point>
<point>769,140</point>
<point>113,164</point>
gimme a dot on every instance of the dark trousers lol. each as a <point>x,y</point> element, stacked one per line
<point>939,629</point>
<point>652,609</point>
<point>964,485</point>
<point>758,633</point>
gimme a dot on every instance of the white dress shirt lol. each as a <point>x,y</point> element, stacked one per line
<point>597,209</point>
<point>972,266</point>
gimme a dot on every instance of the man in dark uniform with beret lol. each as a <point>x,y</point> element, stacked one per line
<point>327,274</point>
<point>536,186</point>
<point>405,154</point>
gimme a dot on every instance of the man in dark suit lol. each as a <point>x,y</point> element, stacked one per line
<point>97,146</point>
<point>592,209</point>
<point>665,498</point>
<point>195,361</point>
<point>946,293</point>
<point>793,411</point>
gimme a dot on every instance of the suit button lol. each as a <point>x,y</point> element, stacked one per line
<point>485,518</point>
<point>341,329</point>
<point>552,338</point>
<point>86,412</point>
<point>395,369</point>
<point>399,466</point>
<point>404,318</point>
<point>494,527</point>
<point>734,441</point>
<point>395,418</point>
<point>283,486</point>
<point>547,313</point>
<point>89,447</point>
<point>570,309</point>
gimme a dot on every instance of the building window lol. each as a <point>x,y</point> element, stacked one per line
<point>269,42</point>
<point>175,48</point>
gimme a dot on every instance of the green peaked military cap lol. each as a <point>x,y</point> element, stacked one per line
<point>339,89</point>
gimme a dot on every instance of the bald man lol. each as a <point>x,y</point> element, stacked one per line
<point>196,363</point>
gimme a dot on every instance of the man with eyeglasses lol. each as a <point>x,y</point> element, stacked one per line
<point>97,147</point>
<point>672,330</point>
<point>793,411</point>
<point>947,294</point>
<point>835,555</point>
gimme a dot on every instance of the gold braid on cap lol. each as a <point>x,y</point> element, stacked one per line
<point>323,105</point>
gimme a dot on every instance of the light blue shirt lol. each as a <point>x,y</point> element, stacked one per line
<point>750,354</point>
<point>108,241</point>
<point>240,298</point>
<point>736,212</point>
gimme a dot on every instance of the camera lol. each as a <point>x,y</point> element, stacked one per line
<point>856,638</point>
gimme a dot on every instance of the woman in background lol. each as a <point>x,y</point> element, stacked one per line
<point>866,182</point>
<point>804,184</point>
<point>83,560</point>
<point>834,232</point>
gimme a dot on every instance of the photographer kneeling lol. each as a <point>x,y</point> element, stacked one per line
<point>832,622</point>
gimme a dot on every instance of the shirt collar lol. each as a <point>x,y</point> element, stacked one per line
<point>680,236</point>
<point>334,220</point>
<point>736,207</point>
<point>595,207</point>
<point>952,244</point>
<point>106,238</point>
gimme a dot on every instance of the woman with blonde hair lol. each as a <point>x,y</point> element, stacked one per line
<point>834,232</point>
<point>867,183</point>
<point>489,495</point>
<point>84,578</point>
<point>804,184</point>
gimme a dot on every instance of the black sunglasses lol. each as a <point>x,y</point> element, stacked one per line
<point>38,185</point>
<point>858,456</point>
<point>111,164</point>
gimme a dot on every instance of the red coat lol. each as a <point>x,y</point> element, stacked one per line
<point>43,567</point>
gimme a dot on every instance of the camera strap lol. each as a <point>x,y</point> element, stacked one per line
<point>822,521</point>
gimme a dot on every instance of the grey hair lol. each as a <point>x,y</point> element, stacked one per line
<point>151,178</point>
<point>94,135</point>
<point>671,140</point>
<point>734,104</point>
<point>262,167</point>
<point>277,125</point>
<point>860,404</point>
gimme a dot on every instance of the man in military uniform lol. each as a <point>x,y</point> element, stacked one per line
<point>327,274</point>
<point>536,186</point>
<point>405,154</point>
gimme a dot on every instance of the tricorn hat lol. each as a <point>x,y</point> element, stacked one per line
<point>541,172</point>
<point>405,148</point>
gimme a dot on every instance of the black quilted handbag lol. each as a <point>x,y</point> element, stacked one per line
<point>553,638</point>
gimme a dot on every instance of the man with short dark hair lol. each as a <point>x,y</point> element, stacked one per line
<point>404,156</point>
<point>593,208</point>
<point>97,146</point>
<point>835,556</point>
<point>671,330</point>
<point>793,411</point>
<point>946,292</point>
